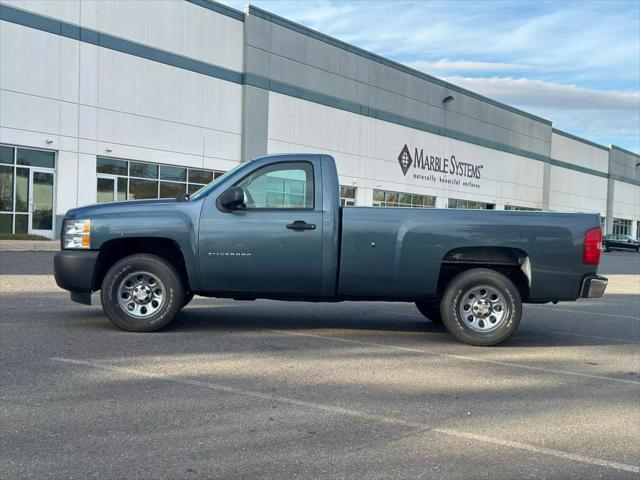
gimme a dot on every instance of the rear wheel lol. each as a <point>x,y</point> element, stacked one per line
<point>481,307</point>
<point>142,293</point>
<point>431,310</point>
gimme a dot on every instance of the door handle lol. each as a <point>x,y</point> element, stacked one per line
<point>301,225</point>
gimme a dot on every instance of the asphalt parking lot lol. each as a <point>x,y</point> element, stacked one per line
<point>291,390</point>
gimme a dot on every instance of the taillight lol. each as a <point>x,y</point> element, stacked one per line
<point>592,246</point>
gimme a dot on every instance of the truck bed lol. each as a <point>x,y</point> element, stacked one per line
<point>399,251</point>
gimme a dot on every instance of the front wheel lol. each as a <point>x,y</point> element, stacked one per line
<point>142,293</point>
<point>481,307</point>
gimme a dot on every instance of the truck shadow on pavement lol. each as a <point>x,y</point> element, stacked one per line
<point>206,316</point>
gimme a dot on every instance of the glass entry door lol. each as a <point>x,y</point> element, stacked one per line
<point>106,189</point>
<point>111,188</point>
<point>41,202</point>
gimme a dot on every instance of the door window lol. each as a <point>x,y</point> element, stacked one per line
<point>42,212</point>
<point>280,186</point>
<point>106,189</point>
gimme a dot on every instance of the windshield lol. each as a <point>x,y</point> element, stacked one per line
<point>204,191</point>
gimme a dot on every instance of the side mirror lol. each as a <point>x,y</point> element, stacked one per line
<point>231,198</point>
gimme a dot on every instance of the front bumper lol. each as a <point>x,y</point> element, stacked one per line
<point>593,286</point>
<point>74,270</point>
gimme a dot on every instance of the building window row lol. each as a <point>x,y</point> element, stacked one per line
<point>383,198</point>
<point>621,226</point>
<point>120,180</point>
<point>26,190</point>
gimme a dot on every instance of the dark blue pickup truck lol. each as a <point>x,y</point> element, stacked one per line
<point>274,228</point>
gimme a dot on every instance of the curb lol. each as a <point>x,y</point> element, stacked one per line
<point>29,245</point>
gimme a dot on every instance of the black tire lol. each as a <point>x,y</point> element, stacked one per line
<point>606,248</point>
<point>173,295</point>
<point>431,310</point>
<point>465,283</point>
<point>188,296</point>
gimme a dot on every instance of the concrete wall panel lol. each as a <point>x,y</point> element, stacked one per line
<point>570,190</point>
<point>572,151</point>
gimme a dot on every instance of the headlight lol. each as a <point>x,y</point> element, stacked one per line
<point>77,234</point>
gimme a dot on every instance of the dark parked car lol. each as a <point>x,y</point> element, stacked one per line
<point>620,242</point>
<point>274,228</point>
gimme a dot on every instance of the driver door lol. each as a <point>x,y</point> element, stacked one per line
<point>273,243</point>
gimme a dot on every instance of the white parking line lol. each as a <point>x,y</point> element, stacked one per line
<point>459,357</point>
<point>358,414</point>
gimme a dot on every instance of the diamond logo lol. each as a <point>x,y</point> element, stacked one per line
<point>405,159</point>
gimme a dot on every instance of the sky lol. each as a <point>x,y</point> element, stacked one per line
<point>576,63</point>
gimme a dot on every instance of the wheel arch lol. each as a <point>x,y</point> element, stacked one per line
<point>512,262</point>
<point>116,249</point>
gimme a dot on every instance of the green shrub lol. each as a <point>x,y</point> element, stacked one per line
<point>21,236</point>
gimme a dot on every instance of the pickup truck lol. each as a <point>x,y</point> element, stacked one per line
<point>273,228</point>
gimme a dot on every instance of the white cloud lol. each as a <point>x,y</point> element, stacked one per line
<point>602,116</point>
<point>537,93</point>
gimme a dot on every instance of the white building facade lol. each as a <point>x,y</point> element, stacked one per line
<point>114,100</point>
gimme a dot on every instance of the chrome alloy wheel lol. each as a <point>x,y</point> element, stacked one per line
<point>483,308</point>
<point>141,294</point>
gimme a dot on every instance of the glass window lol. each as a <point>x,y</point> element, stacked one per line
<point>175,174</point>
<point>122,189</point>
<point>347,196</point>
<point>36,158</point>
<point>22,189</point>
<point>172,190</point>
<point>112,166</point>
<point>193,188</point>
<point>6,223</point>
<point>200,176</point>
<point>42,211</point>
<point>470,204</point>
<point>404,200</point>
<point>6,155</point>
<point>6,188</point>
<point>378,198</point>
<point>177,180</point>
<point>282,185</point>
<point>139,189</point>
<point>391,199</point>
<point>106,190</point>
<point>382,198</point>
<point>143,170</point>
<point>22,223</point>
<point>621,226</point>
<point>522,209</point>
